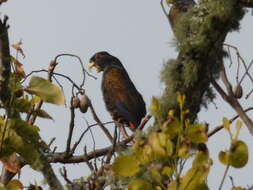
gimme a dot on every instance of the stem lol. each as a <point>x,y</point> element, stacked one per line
<point>224,176</point>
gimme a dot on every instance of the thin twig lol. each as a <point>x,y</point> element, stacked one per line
<point>64,174</point>
<point>218,128</point>
<point>81,64</point>
<point>224,176</point>
<point>232,181</point>
<point>164,10</point>
<point>107,133</point>
<point>87,162</point>
<point>83,133</point>
<point>60,157</point>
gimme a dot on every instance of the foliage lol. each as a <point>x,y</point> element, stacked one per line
<point>157,159</point>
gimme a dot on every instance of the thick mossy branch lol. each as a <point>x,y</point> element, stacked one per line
<point>5,66</point>
<point>200,33</point>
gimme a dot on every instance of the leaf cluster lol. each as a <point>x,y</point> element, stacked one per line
<point>157,159</point>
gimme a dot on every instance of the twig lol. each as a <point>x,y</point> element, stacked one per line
<point>232,181</point>
<point>51,142</point>
<point>246,3</point>
<point>218,128</point>
<point>49,174</point>
<point>109,136</point>
<point>81,64</point>
<point>60,158</point>
<point>247,96</point>
<point>87,162</point>
<point>224,176</point>
<point>54,73</point>
<point>71,128</point>
<point>83,133</point>
<point>164,10</point>
<point>64,174</point>
<point>230,99</point>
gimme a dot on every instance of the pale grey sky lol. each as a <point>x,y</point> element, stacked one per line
<point>137,33</point>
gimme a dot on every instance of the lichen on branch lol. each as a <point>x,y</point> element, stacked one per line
<point>200,33</point>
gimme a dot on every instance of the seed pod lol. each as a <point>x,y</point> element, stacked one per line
<point>238,92</point>
<point>75,103</point>
<point>84,103</point>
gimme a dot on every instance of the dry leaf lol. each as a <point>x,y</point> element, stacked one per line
<point>18,67</point>
<point>17,46</point>
<point>11,163</point>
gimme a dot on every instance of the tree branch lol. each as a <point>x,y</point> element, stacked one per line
<point>218,128</point>
<point>246,3</point>
<point>232,101</point>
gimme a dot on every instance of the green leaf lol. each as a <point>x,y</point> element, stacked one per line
<point>139,184</point>
<point>197,133</point>
<point>46,90</point>
<point>26,150</point>
<point>125,166</point>
<point>2,187</point>
<point>239,154</point>
<point>28,132</point>
<point>22,104</point>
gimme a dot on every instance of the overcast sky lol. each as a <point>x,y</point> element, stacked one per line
<point>137,33</point>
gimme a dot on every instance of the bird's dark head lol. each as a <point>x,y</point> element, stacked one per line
<point>103,59</point>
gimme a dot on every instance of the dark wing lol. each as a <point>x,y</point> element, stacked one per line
<point>121,97</point>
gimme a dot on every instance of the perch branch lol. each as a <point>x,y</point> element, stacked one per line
<point>218,128</point>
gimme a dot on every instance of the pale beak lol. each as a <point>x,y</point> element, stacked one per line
<point>90,65</point>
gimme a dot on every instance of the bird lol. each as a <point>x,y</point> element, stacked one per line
<point>122,100</point>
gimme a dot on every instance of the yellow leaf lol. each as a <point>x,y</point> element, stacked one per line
<point>167,171</point>
<point>181,101</point>
<point>156,144</point>
<point>237,188</point>
<point>125,166</point>
<point>155,105</point>
<point>226,123</point>
<point>238,128</point>
<point>35,100</point>
<point>197,133</point>
<point>184,150</point>
<point>14,185</point>
<point>139,184</point>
